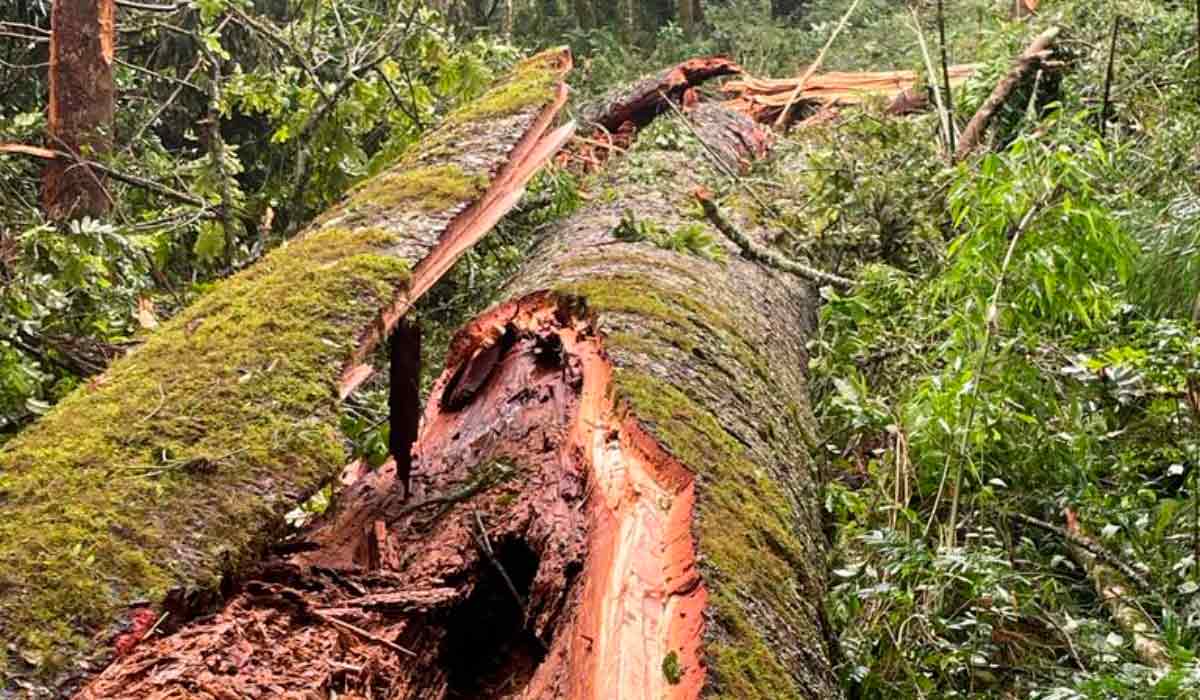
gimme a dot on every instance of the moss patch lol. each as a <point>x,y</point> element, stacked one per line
<point>743,531</point>
<point>531,84</point>
<point>163,473</point>
<point>690,321</point>
<point>671,669</point>
<point>426,188</point>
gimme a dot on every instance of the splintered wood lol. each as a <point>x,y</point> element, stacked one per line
<point>545,552</point>
<point>611,123</point>
<point>762,99</point>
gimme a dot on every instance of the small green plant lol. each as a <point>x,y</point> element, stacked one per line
<point>671,668</point>
<point>693,238</point>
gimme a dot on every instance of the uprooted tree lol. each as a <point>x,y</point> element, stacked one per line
<point>609,495</point>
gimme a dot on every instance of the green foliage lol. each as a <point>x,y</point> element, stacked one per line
<point>311,101</point>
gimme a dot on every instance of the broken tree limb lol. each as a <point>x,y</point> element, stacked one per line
<point>50,154</point>
<point>761,254</point>
<point>168,473</point>
<point>658,512</point>
<point>1112,587</point>
<point>1029,60</point>
<point>642,101</point>
<point>1075,539</point>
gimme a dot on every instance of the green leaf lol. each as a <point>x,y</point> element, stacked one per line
<point>210,242</point>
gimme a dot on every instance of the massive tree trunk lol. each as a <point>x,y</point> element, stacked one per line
<point>611,496</point>
<point>168,473</point>
<point>82,105</point>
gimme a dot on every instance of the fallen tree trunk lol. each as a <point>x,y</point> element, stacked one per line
<point>611,497</point>
<point>151,486</point>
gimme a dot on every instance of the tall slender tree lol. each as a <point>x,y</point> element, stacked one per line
<point>82,105</point>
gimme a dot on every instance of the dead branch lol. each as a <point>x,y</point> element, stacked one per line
<point>127,178</point>
<point>1032,57</point>
<point>760,254</point>
<point>1090,546</point>
<point>1110,586</point>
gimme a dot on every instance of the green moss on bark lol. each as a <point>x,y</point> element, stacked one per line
<point>426,188</point>
<point>531,84</point>
<point>689,321</point>
<point>201,417</point>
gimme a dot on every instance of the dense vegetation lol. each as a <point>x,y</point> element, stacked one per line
<point>1022,338</point>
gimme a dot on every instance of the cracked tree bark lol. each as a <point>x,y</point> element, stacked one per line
<point>611,496</point>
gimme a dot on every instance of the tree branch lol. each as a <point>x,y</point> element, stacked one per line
<point>761,254</point>
<point>1032,56</point>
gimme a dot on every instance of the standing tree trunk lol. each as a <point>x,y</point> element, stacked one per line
<point>82,105</point>
<point>585,16</point>
<point>687,16</point>
<point>611,495</point>
<point>166,476</point>
<point>785,9</point>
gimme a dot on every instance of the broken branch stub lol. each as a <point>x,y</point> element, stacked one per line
<point>642,101</point>
<point>170,471</point>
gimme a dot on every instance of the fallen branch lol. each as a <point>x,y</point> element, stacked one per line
<point>1110,586</point>
<point>136,181</point>
<point>363,633</point>
<point>1026,62</point>
<point>760,254</point>
<point>1075,539</point>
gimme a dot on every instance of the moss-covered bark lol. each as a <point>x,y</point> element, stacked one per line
<point>710,358</point>
<point>174,467</point>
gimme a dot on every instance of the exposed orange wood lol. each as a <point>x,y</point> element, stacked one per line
<point>763,98</point>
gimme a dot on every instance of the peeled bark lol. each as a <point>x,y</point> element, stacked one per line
<point>611,497</point>
<point>157,484</point>
<point>82,105</point>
